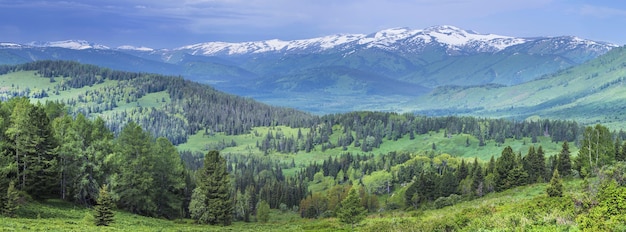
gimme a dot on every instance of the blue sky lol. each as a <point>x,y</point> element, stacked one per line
<point>174,23</point>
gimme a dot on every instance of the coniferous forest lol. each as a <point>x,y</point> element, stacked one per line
<point>85,151</point>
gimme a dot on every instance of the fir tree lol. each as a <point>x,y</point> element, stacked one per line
<point>564,164</point>
<point>351,211</point>
<point>211,201</point>
<point>103,214</point>
<point>555,189</point>
<point>11,205</point>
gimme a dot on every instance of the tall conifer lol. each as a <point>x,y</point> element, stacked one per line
<point>103,211</point>
<point>211,201</point>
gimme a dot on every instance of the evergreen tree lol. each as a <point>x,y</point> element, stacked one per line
<point>564,164</point>
<point>133,177</point>
<point>169,174</point>
<point>555,189</point>
<point>504,164</point>
<point>462,171</point>
<point>263,212</point>
<point>11,204</point>
<point>351,211</point>
<point>621,155</point>
<point>211,201</point>
<point>103,211</point>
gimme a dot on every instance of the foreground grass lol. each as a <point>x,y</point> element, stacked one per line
<point>525,208</point>
<point>57,215</point>
<point>520,209</point>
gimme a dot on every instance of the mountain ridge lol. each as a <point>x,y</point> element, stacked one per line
<point>279,71</point>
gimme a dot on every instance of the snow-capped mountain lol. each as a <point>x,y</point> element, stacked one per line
<point>421,58</point>
<point>455,40</point>
<point>70,44</point>
<point>390,39</point>
<point>452,38</point>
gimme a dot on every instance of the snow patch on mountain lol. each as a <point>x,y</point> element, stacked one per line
<point>133,48</point>
<point>274,45</point>
<point>10,45</point>
<point>70,44</point>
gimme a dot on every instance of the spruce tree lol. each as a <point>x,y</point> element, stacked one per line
<point>351,211</point>
<point>11,205</point>
<point>211,201</point>
<point>103,211</point>
<point>564,164</point>
<point>555,189</point>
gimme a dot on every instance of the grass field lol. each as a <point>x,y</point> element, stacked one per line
<point>514,209</point>
<point>454,145</point>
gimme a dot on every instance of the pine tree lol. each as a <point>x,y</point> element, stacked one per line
<point>351,211</point>
<point>11,205</point>
<point>211,201</point>
<point>103,211</point>
<point>564,164</point>
<point>263,212</point>
<point>168,173</point>
<point>555,189</point>
<point>133,177</point>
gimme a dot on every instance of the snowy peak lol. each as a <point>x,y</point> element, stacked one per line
<point>10,45</point>
<point>393,39</point>
<point>274,45</point>
<point>133,48</point>
<point>70,44</point>
<point>402,40</point>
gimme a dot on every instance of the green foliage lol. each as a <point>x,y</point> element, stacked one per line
<point>11,204</point>
<point>263,212</point>
<point>31,145</point>
<point>555,189</point>
<point>211,201</point>
<point>509,170</point>
<point>103,211</point>
<point>169,174</point>
<point>351,211</point>
<point>132,183</point>
<point>596,150</point>
<point>564,163</point>
<point>378,182</point>
<point>609,214</point>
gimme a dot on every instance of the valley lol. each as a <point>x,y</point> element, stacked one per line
<point>436,143</point>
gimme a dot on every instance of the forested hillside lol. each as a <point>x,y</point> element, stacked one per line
<point>164,105</point>
<point>88,132</point>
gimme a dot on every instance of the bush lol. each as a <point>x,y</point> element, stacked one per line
<point>447,201</point>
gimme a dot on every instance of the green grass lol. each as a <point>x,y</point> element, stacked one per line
<point>519,209</point>
<point>57,215</point>
<point>523,208</point>
<point>589,93</point>
<point>454,145</point>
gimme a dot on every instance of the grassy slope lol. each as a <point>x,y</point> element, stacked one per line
<point>518,209</point>
<point>56,215</point>
<point>453,145</point>
<point>589,93</point>
<point>511,209</point>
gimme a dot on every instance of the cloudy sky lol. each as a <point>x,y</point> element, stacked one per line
<point>174,23</point>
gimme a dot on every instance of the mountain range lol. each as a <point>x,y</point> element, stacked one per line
<point>386,70</point>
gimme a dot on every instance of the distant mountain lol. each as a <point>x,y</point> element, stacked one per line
<point>409,62</point>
